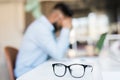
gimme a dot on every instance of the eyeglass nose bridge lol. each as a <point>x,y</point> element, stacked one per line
<point>68,68</point>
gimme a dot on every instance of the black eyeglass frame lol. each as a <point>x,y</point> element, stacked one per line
<point>84,66</point>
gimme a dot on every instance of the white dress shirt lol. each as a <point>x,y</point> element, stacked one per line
<point>39,42</point>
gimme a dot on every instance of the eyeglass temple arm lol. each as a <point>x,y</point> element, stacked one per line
<point>90,67</point>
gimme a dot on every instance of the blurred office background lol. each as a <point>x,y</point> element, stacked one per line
<point>92,18</point>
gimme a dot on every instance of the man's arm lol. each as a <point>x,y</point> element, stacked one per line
<point>55,49</point>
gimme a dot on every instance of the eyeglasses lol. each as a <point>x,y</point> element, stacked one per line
<point>76,70</point>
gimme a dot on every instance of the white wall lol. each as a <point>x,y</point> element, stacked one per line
<point>11,23</point>
<point>11,30</point>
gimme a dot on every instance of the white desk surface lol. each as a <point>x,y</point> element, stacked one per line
<point>44,72</point>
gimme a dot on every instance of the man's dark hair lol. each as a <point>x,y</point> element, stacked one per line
<point>64,9</point>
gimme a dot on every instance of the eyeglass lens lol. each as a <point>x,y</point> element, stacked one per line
<point>77,70</point>
<point>59,70</point>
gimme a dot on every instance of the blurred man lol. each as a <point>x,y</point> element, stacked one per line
<point>40,43</point>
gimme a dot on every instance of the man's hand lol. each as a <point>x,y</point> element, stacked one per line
<point>67,23</point>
